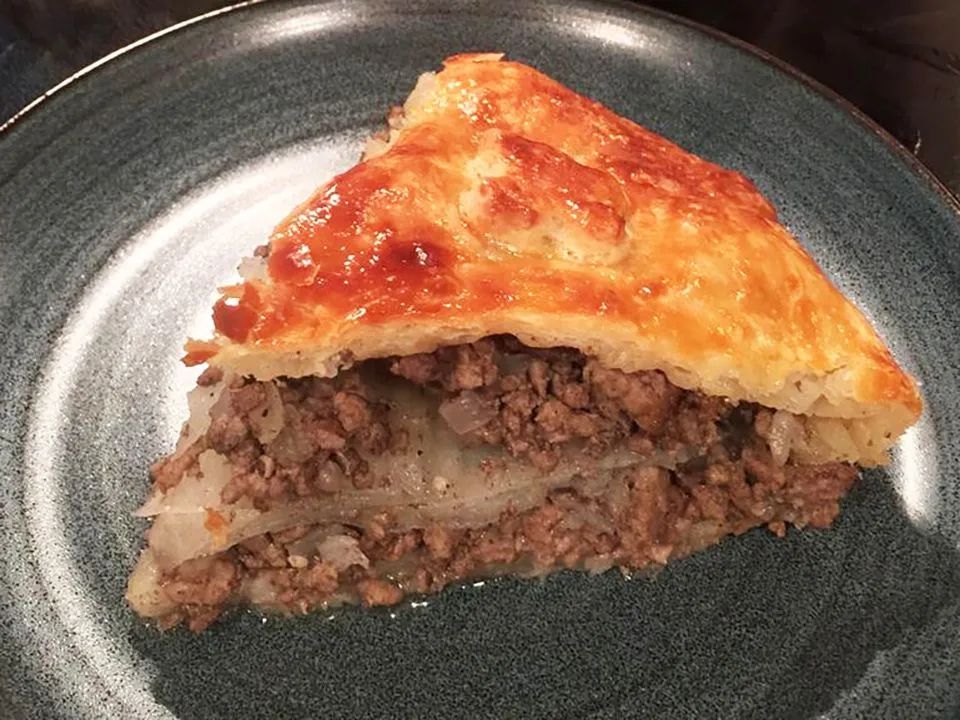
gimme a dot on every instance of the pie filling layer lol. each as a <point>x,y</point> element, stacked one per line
<point>402,475</point>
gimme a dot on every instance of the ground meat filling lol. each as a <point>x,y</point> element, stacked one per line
<point>328,426</point>
<point>540,400</point>
<point>496,392</point>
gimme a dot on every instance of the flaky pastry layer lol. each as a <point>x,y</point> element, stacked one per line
<point>503,202</point>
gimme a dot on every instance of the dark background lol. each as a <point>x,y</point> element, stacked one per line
<point>897,60</point>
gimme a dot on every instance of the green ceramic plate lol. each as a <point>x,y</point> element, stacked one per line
<point>128,194</point>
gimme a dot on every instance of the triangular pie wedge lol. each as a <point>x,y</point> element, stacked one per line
<point>522,334</point>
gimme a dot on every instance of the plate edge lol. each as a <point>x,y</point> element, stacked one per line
<point>825,92</point>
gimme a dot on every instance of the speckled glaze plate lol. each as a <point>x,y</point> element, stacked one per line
<point>127,196</point>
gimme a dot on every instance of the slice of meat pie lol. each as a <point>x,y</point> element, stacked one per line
<point>522,334</point>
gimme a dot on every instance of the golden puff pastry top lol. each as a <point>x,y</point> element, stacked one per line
<point>503,202</point>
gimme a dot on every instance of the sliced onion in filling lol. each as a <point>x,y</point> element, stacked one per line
<point>445,471</point>
<point>435,479</point>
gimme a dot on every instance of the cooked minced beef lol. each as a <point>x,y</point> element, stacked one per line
<point>537,401</point>
<point>328,424</point>
<point>533,403</point>
<point>648,517</point>
<point>542,399</point>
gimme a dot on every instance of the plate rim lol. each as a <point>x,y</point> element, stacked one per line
<point>864,121</point>
<point>69,87</point>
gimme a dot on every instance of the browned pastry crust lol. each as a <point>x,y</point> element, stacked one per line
<point>503,202</point>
